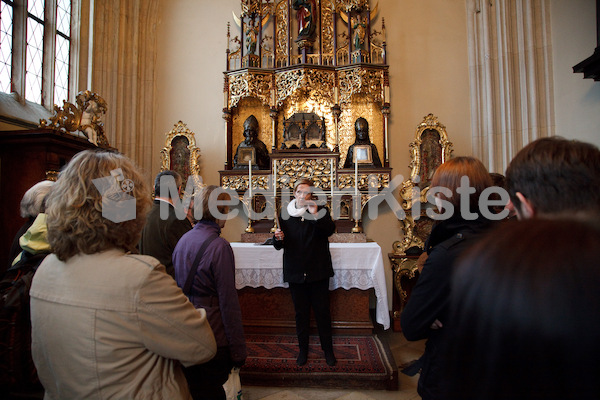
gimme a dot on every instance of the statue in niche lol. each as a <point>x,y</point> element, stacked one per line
<point>251,37</point>
<point>305,13</point>
<point>360,33</point>
<point>252,148</point>
<point>366,152</point>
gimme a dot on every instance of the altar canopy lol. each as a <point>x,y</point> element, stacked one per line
<point>355,265</point>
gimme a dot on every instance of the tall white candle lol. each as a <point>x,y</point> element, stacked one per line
<point>274,181</point>
<point>355,177</point>
<point>356,198</point>
<point>250,178</point>
<point>331,180</point>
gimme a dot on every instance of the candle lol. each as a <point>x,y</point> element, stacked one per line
<point>356,198</point>
<point>274,181</point>
<point>336,94</point>
<point>225,99</point>
<point>250,177</point>
<point>331,181</point>
<point>355,177</point>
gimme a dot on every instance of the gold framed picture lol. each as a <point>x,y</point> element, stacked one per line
<point>363,154</point>
<point>246,154</point>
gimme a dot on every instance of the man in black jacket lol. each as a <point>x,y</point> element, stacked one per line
<point>307,266</point>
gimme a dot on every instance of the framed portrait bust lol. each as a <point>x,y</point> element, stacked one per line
<point>246,154</point>
<point>363,154</point>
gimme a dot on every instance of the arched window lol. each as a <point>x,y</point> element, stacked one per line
<point>35,50</point>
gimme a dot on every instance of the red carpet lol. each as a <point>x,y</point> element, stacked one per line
<point>362,362</point>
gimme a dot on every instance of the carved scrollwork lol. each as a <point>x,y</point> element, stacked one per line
<point>327,8</point>
<point>363,81</point>
<point>319,84</point>
<point>365,181</point>
<point>250,84</point>
<point>289,170</point>
<point>404,268</point>
<point>281,42</point>
<point>351,5</point>
<point>240,182</point>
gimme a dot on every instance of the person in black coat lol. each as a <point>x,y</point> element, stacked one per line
<point>307,266</point>
<point>160,236</point>
<point>425,315</point>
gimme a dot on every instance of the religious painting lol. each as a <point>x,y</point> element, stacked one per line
<point>431,155</point>
<point>180,157</point>
<point>363,154</point>
<point>180,154</point>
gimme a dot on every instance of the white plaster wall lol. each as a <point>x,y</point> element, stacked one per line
<point>576,100</point>
<point>427,54</point>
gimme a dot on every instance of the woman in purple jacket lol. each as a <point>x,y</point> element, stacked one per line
<point>213,289</point>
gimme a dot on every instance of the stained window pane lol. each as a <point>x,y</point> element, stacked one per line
<point>6,17</point>
<point>61,71</point>
<point>33,61</point>
<point>36,8</point>
<point>63,17</point>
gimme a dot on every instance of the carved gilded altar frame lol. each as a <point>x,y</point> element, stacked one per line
<point>416,187</point>
<point>193,162</point>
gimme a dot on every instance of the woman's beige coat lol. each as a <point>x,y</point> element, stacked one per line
<point>113,325</point>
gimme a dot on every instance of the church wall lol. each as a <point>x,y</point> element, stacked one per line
<point>576,100</point>
<point>427,54</point>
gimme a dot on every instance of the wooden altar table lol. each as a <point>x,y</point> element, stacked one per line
<point>266,302</point>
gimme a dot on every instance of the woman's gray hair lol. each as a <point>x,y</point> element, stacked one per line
<point>33,199</point>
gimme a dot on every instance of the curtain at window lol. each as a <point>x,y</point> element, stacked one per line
<point>123,73</point>
<point>510,61</point>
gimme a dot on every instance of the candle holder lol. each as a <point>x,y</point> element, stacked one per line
<point>357,212</point>
<point>337,111</point>
<point>248,204</point>
<point>357,228</point>
<point>275,216</point>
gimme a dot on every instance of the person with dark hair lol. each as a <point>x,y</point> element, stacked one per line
<point>525,316</point>
<point>499,181</point>
<point>361,127</point>
<point>107,323</point>
<point>212,287</point>
<point>553,177</point>
<point>307,267</point>
<point>425,315</point>
<point>160,235</point>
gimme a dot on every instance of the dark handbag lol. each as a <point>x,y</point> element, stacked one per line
<point>190,279</point>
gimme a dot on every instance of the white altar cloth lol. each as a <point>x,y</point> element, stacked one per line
<point>355,265</point>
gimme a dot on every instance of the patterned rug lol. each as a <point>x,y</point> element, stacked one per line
<point>362,362</point>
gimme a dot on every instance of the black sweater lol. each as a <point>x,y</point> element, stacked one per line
<point>306,256</point>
